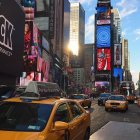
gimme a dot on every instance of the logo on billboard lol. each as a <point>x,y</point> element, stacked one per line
<point>102,22</point>
<point>6,30</point>
<point>117,54</point>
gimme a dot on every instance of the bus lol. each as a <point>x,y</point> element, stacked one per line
<point>127,89</point>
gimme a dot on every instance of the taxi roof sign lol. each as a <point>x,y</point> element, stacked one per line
<point>41,90</point>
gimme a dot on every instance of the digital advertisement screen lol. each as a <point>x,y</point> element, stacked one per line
<point>35,35</point>
<point>28,7</point>
<point>103,36</point>
<point>28,35</point>
<point>117,54</point>
<point>28,3</point>
<point>102,9</point>
<point>101,84</point>
<point>103,60</point>
<point>118,73</point>
<point>103,22</point>
<point>30,63</point>
<point>103,13</point>
<point>26,78</point>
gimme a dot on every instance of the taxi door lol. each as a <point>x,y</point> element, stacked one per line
<point>62,114</point>
<point>76,125</point>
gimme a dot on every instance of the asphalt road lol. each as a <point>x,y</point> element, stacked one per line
<point>99,117</point>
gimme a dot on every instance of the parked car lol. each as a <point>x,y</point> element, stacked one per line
<point>103,98</point>
<point>37,116</point>
<point>83,99</point>
<point>116,102</point>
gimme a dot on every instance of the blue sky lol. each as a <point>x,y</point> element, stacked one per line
<point>130,25</point>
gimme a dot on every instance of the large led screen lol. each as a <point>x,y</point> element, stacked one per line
<point>101,84</point>
<point>117,54</point>
<point>118,73</point>
<point>103,13</point>
<point>103,36</point>
<point>103,60</point>
<point>28,35</point>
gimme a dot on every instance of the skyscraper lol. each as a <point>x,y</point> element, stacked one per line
<point>77,28</point>
<point>77,39</point>
<point>117,26</point>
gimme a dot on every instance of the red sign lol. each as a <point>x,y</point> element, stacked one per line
<point>103,59</point>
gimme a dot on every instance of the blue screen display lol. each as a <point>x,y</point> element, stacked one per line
<point>118,73</point>
<point>103,36</point>
<point>101,9</point>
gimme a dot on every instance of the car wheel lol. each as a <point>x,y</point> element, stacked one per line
<point>66,135</point>
<point>89,106</point>
<point>87,134</point>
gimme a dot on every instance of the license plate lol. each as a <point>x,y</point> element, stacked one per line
<point>114,107</point>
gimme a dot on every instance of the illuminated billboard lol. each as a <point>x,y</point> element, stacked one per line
<point>28,7</point>
<point>103,13</point>
<point>103,22</point>
<point>103,36</point>
<point>101,84</point>
<point>118,73</point>
<point>117,54</point>
<point>28,35</point>
<point>103,60</point>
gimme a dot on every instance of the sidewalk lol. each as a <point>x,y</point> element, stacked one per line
<point>117,131</point>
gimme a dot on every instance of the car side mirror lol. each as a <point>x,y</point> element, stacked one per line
<point>59,125</point>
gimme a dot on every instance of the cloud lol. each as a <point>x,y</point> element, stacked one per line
<point>89,29</point>
<point>83,1</point>
<point>128,7</point>
<point>123,33</point>
<point>137,32</point>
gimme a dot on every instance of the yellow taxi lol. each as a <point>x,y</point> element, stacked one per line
<point>116,102</point>
<point>35,116</point>
<point>83,99</point>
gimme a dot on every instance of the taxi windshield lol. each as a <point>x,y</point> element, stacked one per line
<point>104,95</point>
<point>76,97</point>
<point>119,98</point>
<point>18,116</point>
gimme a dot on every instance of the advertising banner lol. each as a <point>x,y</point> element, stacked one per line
<point>103,36</point>
<point>28,7</point>
<point>12,20</point>
<point>103,60</point>
<point>118,73</point>
<point>103,22</point>
<point>117,54</point>
<point>101,84</point>
<point>103,13</point>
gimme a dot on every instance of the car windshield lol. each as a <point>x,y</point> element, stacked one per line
<point>6,92</point>
<point>104,95</point>
<point>120,98</point>
<point>76,97</point>
<point>17,116</point>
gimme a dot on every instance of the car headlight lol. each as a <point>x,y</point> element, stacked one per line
<point>106,103</point>
<point>123,104</point>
